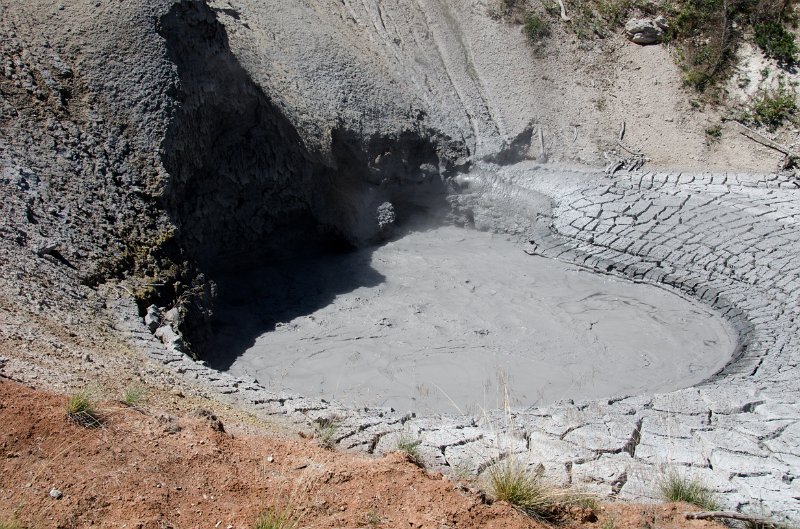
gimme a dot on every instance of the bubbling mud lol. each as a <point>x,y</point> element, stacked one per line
<point>453,320</point>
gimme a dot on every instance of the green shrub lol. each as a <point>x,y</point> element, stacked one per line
<point>81,410</point>
<point>714,132</point>
<point>772,108</point>
<point>707,34</point>
<point>536,29</point>
<point>776,41</point>
<point>674,487</point>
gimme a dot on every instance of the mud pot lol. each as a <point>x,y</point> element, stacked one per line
<point>457,321</point>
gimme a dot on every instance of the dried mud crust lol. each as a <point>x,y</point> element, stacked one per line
<point>147,469</point>
<point>729,240</point>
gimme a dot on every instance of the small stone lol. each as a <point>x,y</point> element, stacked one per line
<point>153,318</point>
<point>56,494</point>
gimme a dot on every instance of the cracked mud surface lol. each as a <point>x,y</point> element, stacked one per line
<point>728,240</point>
<point>452,320</point>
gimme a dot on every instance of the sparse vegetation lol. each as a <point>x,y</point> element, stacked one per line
<point>599,18</point>
<point>132,396</point>
<point>11,524</point>
<point>536,29</point>
<point>705,34</point>
<point>81,410</point>
<point>410,447</point>
<point>714,133</point>
<point>277,519</point>
<point>776,41</point>
<point>772,108</point>
<point>326,432</point>
<point>675,487</point>
<point>511,482</point>
<point>610,523</point>
<point>372,518</point>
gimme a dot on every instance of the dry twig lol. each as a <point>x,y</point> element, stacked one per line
<point>730,515</point>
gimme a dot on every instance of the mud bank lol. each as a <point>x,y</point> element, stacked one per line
<point>717,239</point>
<point>454,320</point>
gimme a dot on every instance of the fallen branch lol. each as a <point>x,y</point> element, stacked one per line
<point>613,167</point>
<point>763,140</point>
<point>564,16</point>
<point>635,153</point>
<point>731,515</point>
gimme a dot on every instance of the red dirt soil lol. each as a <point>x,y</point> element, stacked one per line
<point>143,469</point>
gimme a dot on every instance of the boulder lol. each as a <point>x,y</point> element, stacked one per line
<point>645,31</point>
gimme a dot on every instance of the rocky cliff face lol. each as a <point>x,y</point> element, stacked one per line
<point>166,140</point>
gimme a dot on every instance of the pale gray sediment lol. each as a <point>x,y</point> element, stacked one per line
<point>452,320</point>
<point>730,241</point>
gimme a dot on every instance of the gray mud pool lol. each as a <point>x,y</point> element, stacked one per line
<point>455,321</point>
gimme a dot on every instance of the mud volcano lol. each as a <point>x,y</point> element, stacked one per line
<point>456,321</point>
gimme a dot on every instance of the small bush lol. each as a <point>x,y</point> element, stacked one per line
<point>772,108</point>
<point>536,29</point>
<point>776,42</point>
<point>410,447</point>
<point>674,487</point>
<point>81,410</point>
<point>132,396</point>
<point>277,519</point>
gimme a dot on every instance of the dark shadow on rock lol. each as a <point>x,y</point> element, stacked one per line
<point>256,301</point>
<point>244,190</point>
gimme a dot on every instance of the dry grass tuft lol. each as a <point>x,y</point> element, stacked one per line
<point>675,487</point>
<point>511,482</point>
<point>81,410</point>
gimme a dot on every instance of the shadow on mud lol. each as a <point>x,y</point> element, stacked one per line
<point>259,300</point>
